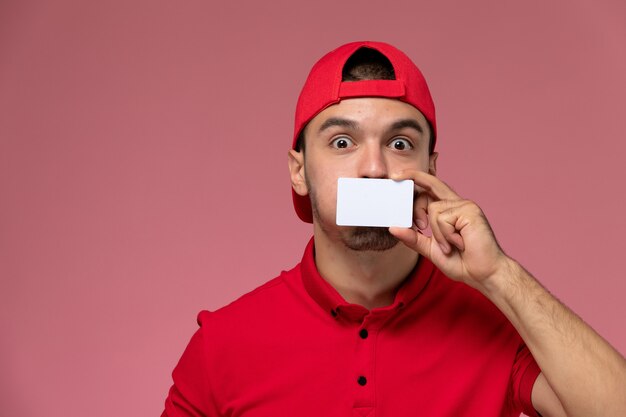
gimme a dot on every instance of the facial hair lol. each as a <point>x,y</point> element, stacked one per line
<point>363,238</point>
<point>359,238</point>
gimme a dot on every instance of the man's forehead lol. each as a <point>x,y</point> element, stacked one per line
<point>356,112</point>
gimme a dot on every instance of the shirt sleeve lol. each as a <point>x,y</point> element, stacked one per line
<point>191,394</point>
<point>525,373</point>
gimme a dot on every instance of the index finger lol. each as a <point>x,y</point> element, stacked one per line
<point>431,184</point>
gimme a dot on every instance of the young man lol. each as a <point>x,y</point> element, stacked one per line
<point>391,322</point>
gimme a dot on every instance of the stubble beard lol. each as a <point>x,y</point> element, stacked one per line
<point>362,238</point>
<point>358,238</point>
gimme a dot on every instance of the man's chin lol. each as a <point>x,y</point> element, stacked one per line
<point>369,239</point>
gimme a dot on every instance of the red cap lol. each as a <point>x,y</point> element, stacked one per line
<point>324,88</point>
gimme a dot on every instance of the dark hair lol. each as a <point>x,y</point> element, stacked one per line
<point>367,64</point>
<point>364,64</point>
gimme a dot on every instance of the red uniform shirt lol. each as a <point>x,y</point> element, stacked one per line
<point>295,347</point>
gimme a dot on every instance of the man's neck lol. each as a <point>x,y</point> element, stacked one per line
<point>367,278</point>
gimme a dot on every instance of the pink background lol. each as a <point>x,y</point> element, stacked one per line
<point>143,170</point>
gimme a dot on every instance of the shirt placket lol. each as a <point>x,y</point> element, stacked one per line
<point>366,333</point>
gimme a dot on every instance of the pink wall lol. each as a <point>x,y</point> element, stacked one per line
<point>143,167</point>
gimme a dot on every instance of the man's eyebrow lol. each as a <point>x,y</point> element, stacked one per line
<point>412,123</point>
<point>337,121</point>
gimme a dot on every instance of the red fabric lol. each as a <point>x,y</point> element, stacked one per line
<point>294,347</point>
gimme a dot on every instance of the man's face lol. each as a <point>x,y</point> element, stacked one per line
<point>358,138</point>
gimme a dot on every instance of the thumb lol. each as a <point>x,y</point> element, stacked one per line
<point>412,238</point>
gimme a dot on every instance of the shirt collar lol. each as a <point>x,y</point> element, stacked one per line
<point>332,302</point>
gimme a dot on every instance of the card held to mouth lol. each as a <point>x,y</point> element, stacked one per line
<point>374,202</point>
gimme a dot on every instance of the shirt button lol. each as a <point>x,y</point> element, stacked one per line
<point>363,333</point>
<point>362,380</point>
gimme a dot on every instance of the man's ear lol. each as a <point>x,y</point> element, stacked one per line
<point>432,163</point>
<point>295,160</point>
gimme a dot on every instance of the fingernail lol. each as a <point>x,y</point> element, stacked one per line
<point>421,224</point>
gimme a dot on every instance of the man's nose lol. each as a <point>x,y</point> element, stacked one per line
<point>372,163</point>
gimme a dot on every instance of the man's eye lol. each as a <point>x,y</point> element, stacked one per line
<point>401,144</point>
<point>341,143</point>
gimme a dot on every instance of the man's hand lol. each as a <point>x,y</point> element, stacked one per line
<point>582,374</point>
<point>462,244</point>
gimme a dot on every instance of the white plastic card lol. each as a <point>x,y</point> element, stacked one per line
<point>374,202</point>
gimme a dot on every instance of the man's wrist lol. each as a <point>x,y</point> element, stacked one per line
<point>505,281</point>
